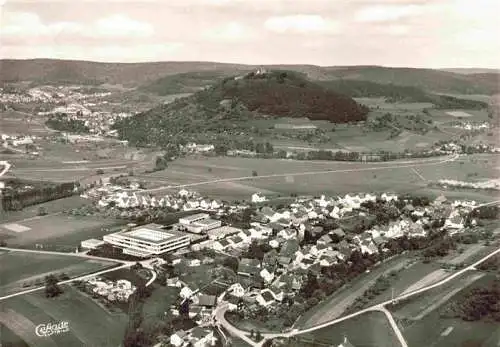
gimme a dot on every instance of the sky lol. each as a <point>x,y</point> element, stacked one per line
<point>412,33</point>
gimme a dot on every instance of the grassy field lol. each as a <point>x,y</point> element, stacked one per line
<point>423,325</point>
<point>470,253</point>
<point>50,207</point>
<point>368,330</point>
<point>55,230</point>
<point>358,138</point>
<point>159,303</point>
<point>89,324</point>
<point>13,122</point>
<point>370,177</point>
<point>334,306</point>
<point>20,268</point>
<point>442,116</point>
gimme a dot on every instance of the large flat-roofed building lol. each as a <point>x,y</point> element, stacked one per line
<point>147,240</point>
<point>193,218</point>
<point>203,225</point>
<point>198,223</point>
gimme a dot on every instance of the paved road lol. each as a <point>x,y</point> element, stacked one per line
<point>71,169</point>
<point>6,167</point>
<point>221,310</point>
<point>152,279</point>
<point>400,165</point>
<point>394,326</point>
<point>220,318</point>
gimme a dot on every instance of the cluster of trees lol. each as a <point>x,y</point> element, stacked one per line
<point>476,304</point>
<point>286,94</point>
<point>381,284</point>
<point>52,289</point>
<point>414,123</point>
<point>17,198</point>
<point>486,212</point>
<point>134,335</point>
<point>108,251</point>
<point>171,151</point>
<point>492,264</point>
<point>61,122</point>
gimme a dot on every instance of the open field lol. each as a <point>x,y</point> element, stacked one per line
<point>419,306</point>
<point>159,303</point>
<point>55,230</point>
<point>9,339</point>
<point>18,123</point>
<point>470,254</point>
<point>28,268</point>
<point>441,116</point>
<point>89,324</point>
<point>50,207</point>
<point>423,325</point>
<point>367,330</point>
<point>349,176</point>
<point>394,106</point>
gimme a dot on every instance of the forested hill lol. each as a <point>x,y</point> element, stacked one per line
<point>397,93</point>
<point>272,94</point>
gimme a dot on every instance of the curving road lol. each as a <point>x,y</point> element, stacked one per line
<point>124,264</point>
<point>79,278</point>
<point>400,165</point>
<point>6,167</point>
<point>222,309</point>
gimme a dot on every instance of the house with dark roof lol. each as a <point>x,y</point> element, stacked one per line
<point>338,232</point>
<point>284,261</point>
<point>207,301</point>
<point>289,248</point>
<point>324,240</point>
<point>220,245</point>
<point>200,337</point>
<point>248,267</point>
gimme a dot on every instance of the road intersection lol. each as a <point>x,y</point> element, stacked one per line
<point>244,335</point>
<point>121,264</point>
<point>399,165</point>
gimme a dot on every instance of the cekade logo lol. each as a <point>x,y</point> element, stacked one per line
<point>49,329</point>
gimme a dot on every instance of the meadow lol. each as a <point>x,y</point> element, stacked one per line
<point>55,230</point>
<point>349,176</point>
<point>423,325</point>
<point>50,207</point>
<point>89,324</point>
<point>14,122</point>
<point>367,330</point>
<point>21,268</point>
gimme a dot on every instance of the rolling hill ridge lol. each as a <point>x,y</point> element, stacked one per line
<point>144,74</point>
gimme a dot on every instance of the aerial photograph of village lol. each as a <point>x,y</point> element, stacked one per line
<point>247,173</point>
